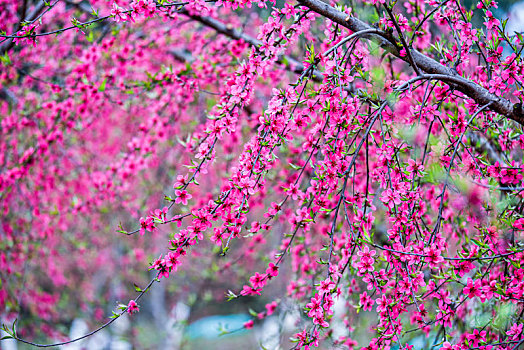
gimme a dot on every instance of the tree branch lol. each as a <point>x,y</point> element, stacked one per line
<point>224,29</point>
<point>8,43</point>
<point>481,95</point>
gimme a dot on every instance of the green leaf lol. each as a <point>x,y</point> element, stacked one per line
<point>121,229</point>
<point>90,38</point>
<point>14,328</point>
<point>520,36</point>
<point>230,295</point>
<point>5,59</point>
<point>7,330</point>
<point>102,86</point>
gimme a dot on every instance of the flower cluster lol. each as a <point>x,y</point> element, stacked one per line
<point>277,154</point>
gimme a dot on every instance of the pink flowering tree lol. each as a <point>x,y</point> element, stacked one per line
<point>360,160</point>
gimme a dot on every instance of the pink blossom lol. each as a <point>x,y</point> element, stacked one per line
<point>132,307</point>
<point>182,197</point>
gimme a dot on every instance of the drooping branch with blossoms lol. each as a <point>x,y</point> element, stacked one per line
<point>366,154</point>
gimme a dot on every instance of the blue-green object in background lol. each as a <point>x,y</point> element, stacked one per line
<point>215,326</point>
